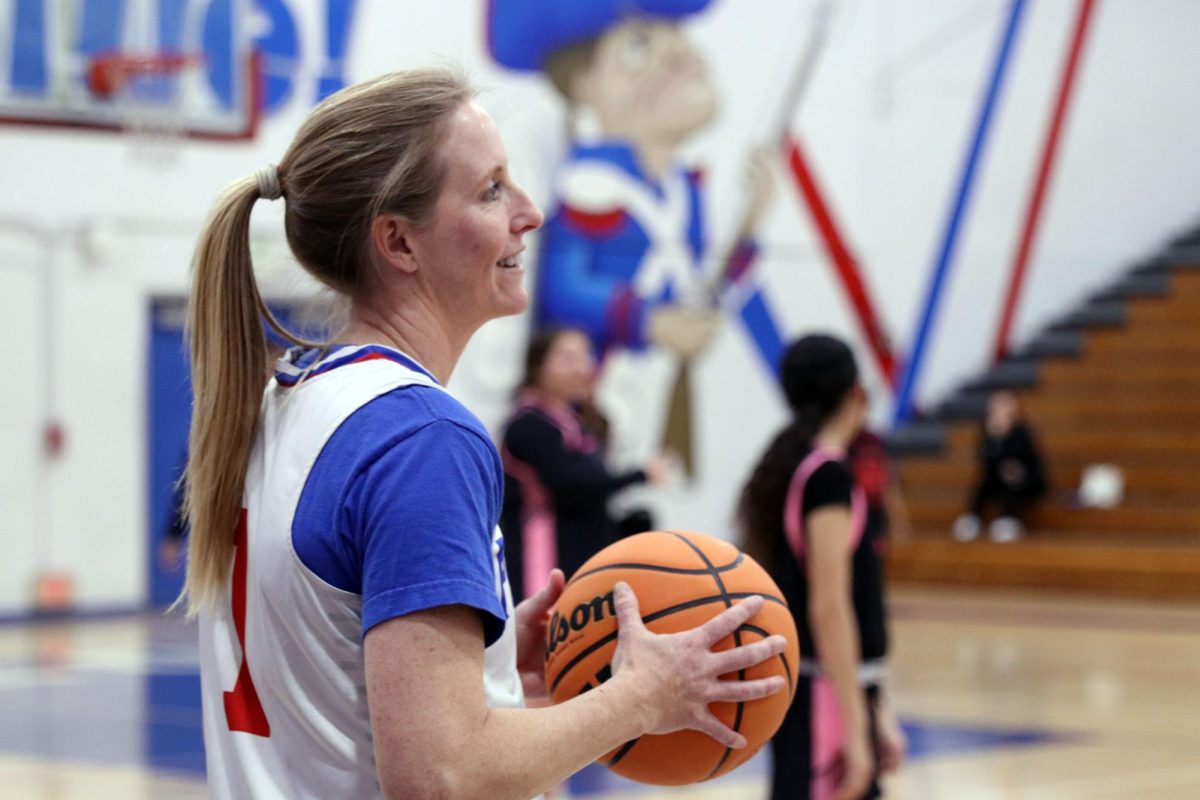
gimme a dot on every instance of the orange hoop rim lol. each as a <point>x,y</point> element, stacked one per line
<point>109,73</point>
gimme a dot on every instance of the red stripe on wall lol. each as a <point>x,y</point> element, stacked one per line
<point>1033,212</point>
<point>843,261</point>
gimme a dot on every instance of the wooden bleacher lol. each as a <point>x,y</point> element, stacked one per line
<point>1130,396</point>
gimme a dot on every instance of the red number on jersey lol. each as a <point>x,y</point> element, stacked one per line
<point>243,710</point>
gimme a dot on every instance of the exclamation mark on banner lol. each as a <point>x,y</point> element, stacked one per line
<point>27,71</point>
<point>338,16</point>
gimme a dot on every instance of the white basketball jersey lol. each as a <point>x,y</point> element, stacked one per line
<point>281,654</point>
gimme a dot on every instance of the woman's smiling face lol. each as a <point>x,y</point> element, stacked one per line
<point>470,251</point>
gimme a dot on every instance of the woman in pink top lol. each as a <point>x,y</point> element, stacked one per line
<point>556,483</point>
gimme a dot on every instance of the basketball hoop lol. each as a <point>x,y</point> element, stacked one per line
<point>158,82</point>
<point>108,74</point>
<point>149,96</point>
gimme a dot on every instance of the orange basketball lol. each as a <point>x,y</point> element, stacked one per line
<point>681,580</point>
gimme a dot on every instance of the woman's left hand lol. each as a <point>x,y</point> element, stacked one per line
<point>531,618</point>
<point>760,189</point>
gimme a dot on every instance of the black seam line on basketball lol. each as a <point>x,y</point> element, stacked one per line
<point>770,598</point>
<point>624,751</point>
<point>787,668</point>
<point>720,761</point>
<point>655,568</point>
<point>666,612</point>
<point>737,641</point>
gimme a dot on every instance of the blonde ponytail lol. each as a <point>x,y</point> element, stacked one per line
<point>229,370</point>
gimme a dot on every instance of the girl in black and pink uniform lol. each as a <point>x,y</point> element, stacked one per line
<point>556,483</point>
<point>803,517</point>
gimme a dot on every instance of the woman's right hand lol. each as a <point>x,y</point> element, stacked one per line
<point>677,675</point>
<point>858,768</point>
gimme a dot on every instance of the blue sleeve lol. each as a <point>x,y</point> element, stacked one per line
<point>425,511</point>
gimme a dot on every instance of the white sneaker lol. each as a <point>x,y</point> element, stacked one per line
<point>966,528</point>
<point>1005,530</point>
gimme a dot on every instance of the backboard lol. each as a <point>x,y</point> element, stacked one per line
<point>181,67</point>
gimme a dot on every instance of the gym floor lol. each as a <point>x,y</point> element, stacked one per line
<point>1003,696</point>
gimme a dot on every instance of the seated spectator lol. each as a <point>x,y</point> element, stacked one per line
<point>1011,474</point>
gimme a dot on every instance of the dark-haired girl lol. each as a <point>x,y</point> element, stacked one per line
<point>803,518</point>
<point>556,483</point>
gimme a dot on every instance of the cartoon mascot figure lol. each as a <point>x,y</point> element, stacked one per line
<point>623,253</point>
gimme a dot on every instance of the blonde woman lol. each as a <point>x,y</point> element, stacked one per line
<point>357,633</point>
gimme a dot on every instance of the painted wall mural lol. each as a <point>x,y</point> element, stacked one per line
<point>626,253</point>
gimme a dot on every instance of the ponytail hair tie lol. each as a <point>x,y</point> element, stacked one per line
<point>268,183</point>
